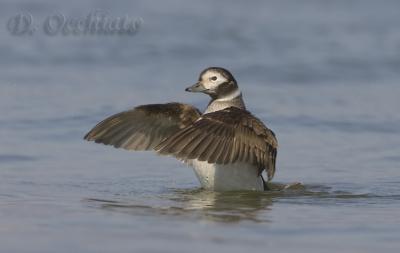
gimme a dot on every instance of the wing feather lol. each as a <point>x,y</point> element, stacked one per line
<point>226,136</point>
<point>143,127</point>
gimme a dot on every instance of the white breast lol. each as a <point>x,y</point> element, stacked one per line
<point>230,177</point>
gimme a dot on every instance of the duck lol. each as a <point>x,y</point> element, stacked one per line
<point>227,146</point>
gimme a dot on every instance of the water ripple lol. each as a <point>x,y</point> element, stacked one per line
<point>228,207</point>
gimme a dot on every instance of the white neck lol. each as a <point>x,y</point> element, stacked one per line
<point>232,95</point>
<point>232,99</point>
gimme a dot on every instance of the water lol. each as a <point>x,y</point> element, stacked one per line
<point>322,74</point>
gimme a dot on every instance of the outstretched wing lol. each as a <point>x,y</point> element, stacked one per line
<point>227,136</point>
<point>143,127</point>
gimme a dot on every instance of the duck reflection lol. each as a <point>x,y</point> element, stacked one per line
<point>227,206</point>
<point>197,204</point>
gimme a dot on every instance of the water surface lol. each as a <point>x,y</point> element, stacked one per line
<point>322,74</point>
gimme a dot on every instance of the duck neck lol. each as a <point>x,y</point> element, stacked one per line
<point>234,99</point>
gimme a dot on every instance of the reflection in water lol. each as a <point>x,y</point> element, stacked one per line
<point>227,207</point>
<point>208,205</point>
<point>214,206</point>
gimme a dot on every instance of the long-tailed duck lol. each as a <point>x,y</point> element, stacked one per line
<point>226,145</point>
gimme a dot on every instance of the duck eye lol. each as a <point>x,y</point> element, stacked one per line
<point>214,78</point>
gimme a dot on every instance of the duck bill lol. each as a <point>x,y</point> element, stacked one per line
<point>197,87</point>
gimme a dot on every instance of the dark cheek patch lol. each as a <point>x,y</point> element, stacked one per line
<point>225,88</point>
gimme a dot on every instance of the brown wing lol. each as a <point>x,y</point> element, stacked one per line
<point>143,127</point>
<point>223,137</point>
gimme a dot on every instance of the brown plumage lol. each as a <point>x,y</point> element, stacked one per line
<point>226,136</point>
<point>143,127</point>
<point>222,137</point>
